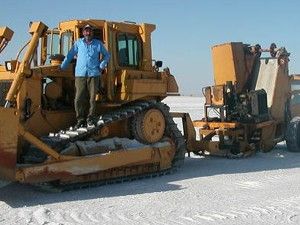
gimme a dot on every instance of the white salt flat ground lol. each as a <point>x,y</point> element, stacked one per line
<point>263,189</point>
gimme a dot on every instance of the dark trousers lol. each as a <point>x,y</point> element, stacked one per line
<point>86,90</point>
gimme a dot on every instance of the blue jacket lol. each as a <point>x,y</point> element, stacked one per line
<point>88,58</point>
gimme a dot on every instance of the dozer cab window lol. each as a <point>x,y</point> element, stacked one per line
<point>66,42</point>
<point>295,98</point>
<point>52,44</point>
<point>57,92</point>
<point>129,50</point>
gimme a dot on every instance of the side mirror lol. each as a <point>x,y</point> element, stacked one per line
<point>158,64</point>
<point>11,65</point>
<point>8,66</point>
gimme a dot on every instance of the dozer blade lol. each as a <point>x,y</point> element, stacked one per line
<point>8,144</point>
<point>72,170</point>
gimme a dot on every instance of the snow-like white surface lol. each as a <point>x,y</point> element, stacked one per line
<point>263,189</point>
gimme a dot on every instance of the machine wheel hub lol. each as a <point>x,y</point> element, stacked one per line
<point>150,126</point>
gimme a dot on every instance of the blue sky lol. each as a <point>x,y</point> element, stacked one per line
<point>185,32</point>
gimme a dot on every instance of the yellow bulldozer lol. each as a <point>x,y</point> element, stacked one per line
<point>135,133</point>
<point>249,108</point>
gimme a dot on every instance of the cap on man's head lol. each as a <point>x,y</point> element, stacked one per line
<point>87,27</point>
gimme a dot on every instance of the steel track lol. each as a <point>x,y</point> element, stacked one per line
<point>61,140</point>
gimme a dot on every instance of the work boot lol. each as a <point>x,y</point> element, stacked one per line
<point>91,123</point>
<point>79,124</point>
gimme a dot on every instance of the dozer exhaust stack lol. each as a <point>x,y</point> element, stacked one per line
<point>36,29</point>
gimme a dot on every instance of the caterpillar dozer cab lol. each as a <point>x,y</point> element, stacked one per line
<point>135,133</point>
<point>252,106</point>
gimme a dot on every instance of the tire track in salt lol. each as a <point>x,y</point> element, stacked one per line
<point>92,218</point>
<point>41,215</point>
<point>249,185</point>
<point>271,212</point>
<point>77,217</point>
<point>124,219</point>
<point>44,216</point>
<point>290,208</point>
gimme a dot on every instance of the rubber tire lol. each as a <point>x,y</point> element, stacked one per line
<point>293,135</point>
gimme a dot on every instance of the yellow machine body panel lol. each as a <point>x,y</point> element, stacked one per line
<point>6,33</point>
<point>229,64</point>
